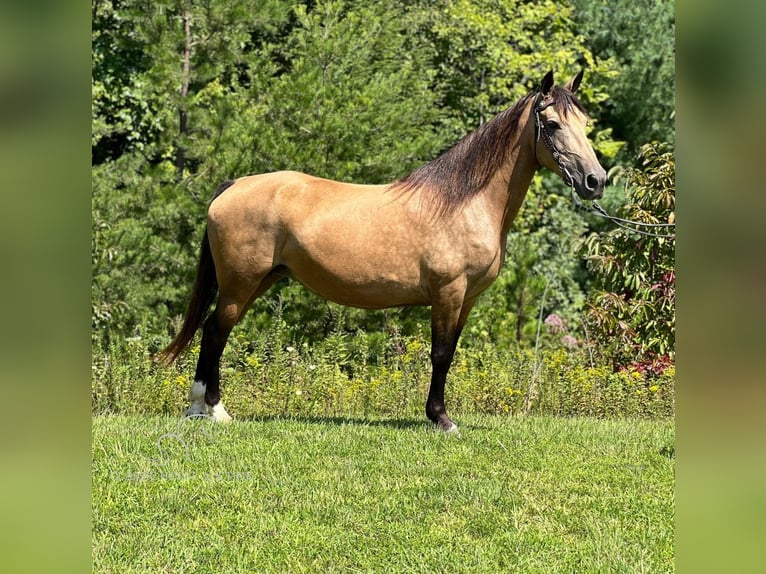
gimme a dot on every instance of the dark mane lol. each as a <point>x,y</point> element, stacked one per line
<point>467,167</point>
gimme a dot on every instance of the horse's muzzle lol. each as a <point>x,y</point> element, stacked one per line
<point>592,185</point>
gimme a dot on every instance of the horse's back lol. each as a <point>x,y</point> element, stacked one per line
<point>353,244</point>
<point>291,193</point>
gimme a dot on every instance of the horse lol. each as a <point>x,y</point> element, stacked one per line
<point>435,237</point>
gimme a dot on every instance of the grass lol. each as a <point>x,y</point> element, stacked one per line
<point>304,494</point>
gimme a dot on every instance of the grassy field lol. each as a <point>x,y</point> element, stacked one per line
<point>537,494</point>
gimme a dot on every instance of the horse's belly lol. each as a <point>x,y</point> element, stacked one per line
<point>359,284</point>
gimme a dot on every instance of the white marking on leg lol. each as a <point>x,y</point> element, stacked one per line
<point>219,413</point>
<point>197,399</point>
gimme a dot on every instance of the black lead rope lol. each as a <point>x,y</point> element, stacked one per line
<point>627,224</point>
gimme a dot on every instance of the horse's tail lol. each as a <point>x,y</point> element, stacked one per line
<point>203,294</point>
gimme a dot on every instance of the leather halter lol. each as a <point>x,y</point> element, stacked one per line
<point>542,132</point>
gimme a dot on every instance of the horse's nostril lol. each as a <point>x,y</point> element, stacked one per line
<point>591,182</point>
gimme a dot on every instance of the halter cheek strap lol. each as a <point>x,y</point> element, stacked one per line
<point>542,132</point>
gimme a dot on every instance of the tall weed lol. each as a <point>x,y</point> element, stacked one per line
<point>340,376</point>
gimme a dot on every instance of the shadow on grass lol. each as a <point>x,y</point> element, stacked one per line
<point>394,423</point>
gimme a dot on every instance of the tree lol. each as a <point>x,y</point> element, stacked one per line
<point>151,62</point>
<point>159,71</point>
<point>353,101</point>
<point>639,36</point>
<point>490,53</point>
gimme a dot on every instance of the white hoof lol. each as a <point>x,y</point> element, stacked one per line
<point>450,428</point>
<point>219,414</point>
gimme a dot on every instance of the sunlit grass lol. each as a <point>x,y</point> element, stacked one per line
<point>509,494</point>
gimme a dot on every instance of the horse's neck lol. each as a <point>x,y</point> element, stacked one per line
<point>505,193</point>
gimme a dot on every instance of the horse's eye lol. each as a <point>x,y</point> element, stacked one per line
<point>553,125</point>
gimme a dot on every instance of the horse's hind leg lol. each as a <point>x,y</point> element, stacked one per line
<point>205,394</point>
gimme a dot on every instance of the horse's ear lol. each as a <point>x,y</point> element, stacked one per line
<point>546,84</point>
<point>575,82</point>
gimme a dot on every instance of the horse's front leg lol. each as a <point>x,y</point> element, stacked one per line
<point>448,317</point>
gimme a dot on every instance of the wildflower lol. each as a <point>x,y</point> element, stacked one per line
<point>554,323</point>
<point>569,341</point>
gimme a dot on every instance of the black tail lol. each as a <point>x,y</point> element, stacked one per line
<point>203,295</point>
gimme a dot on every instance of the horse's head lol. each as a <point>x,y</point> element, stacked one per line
<point>561,143</point>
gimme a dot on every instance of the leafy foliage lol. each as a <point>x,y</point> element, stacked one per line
<point>639,36</point>
<point>490,54</point>
<point>632,310</point>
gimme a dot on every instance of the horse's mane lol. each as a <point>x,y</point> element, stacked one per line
<point>468,166</point>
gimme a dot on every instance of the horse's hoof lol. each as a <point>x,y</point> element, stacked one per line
<point>448,427</point>
<point>219,414</point>
<point>195,411</point>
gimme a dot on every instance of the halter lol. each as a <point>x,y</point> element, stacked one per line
<point>542,132</point>
<point>596,209</point>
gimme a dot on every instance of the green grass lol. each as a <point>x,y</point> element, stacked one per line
<point>537,494</point>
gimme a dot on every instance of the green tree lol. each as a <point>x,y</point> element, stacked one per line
<point>353,100</point>
<point>639,36</point>
<point>490,53</point>
<point>153,59</point>
<point>155,66</point>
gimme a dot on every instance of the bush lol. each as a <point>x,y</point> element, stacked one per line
<point>632,306</point>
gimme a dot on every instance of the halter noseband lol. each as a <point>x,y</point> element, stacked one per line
<point>542,132</point>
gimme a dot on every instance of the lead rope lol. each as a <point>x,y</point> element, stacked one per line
<point>627,224</point>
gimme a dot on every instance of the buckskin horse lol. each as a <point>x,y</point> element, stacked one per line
<point>434,237</point>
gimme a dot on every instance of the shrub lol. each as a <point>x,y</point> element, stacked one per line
<point>632,306</point>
